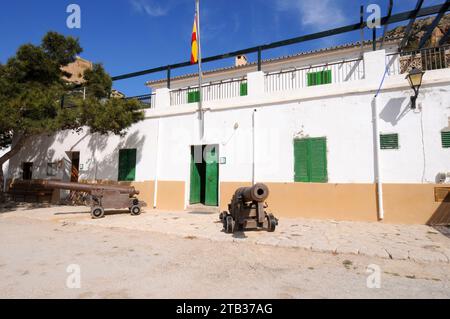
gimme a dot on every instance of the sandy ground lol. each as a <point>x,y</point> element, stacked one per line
<point>124,263</point>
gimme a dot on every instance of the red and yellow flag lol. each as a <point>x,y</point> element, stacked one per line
<point>194,43</point>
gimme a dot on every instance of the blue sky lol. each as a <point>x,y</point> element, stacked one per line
<point>131,35</point>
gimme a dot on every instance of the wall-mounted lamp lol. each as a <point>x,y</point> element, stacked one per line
<point>415,77</point>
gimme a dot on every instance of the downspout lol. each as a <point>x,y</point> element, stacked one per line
<point>254,148</point>
<point>378,176</point>
<point>155,192</point>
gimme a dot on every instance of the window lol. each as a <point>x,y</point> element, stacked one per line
<point>244,89</point>
<point>194,96</point>
<point>310,158</point>
<point>127,165</point>
<point>445,136</point>
<point>52,169</point>
<point>319,78</point>
<point>389,141</point>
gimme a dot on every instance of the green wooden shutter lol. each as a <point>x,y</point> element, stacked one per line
<point>445,136</point>
<point>195,189</point>
<point>127,165</point>
<point>244,89</point>
<point>131,172</point>
<point>310,160</point>
<point>301,161</point>
<point>327,77</point>
<point>193,96</point>
<point>310,79</point>
<point>212,177</point>
<point>389,141</point>
<point>318,160</point>
<point>123,158</point>
<point>319,78</point>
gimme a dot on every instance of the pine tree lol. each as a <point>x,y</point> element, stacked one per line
<point>32,90</point>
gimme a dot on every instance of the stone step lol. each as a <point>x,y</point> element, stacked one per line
<point>202,209</point>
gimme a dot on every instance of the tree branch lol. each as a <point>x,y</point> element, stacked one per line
<point>14,150</point>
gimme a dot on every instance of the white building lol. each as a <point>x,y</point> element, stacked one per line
<point>304,125</point>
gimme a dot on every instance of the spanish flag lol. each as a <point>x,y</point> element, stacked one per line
<point>194,43</point>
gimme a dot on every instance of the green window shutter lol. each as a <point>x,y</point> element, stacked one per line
<point>193,96</point>
<point>389,141</point>
<point>445,136</point>
<point>122,164</point>
<point>127,165</point>
<point>327,77</point>
<point>301,161</point>
<point>318,160</point>
<point>244,89</point>
<point>319,78</point>
<point>310,160</point>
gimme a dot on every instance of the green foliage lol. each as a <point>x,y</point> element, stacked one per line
<point>33,92</point>
<point>98,82</point>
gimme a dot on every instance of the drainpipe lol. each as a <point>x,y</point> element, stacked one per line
<point>254,147</point>
<point>155,192</point>
<point>378,177</point>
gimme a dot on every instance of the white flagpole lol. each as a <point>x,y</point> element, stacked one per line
<point>200,74</point>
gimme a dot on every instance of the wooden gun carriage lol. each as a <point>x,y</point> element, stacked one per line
<point>101,197</point>
<point>247,210</point>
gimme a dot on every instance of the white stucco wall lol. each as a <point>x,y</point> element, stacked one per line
<point>340,112</point>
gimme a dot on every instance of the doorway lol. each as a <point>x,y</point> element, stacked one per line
<point>75,167</point>
<point>204,188</point>
<point>27,171</point>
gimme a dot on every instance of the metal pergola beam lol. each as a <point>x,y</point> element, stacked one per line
<point>314,36</point>
<point>411,24</point>
<point>435,23</point>
<point>391,7</point>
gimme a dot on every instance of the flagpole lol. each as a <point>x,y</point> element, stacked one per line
<point>200,74</point>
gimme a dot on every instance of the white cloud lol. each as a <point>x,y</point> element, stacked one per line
<point>149,7</point>
<point>317,14</point>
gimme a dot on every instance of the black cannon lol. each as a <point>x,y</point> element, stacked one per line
<point>101,197</point>
<point>247,210</point>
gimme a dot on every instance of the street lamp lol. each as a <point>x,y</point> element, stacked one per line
<point>415,77</point>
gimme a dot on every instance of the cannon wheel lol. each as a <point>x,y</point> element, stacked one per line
<point>271,222</point>
<point>97,212</point>
<point>229,225</point>
<point>135,210</point>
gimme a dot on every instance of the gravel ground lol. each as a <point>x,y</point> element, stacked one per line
<point>125,263</point>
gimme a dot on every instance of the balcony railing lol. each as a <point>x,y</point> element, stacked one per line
<point>425,60</point>
<point>147,101</point>
<point>299,78</point>
<point>221,90</point>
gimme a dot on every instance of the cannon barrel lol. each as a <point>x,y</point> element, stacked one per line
<point>88,188</point>
<point>257,193</point>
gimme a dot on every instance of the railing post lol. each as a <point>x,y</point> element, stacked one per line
<point>375,65</point>
<point>259,59</point>
<point>162,98</point>
<point>256,83</point>
<point>168,76</point>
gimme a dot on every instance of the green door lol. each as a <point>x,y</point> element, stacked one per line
<point>211,176</point>
<point>127,165</point>
<point>195,193</point>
